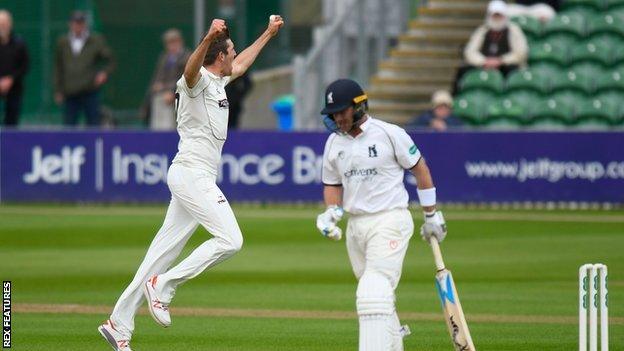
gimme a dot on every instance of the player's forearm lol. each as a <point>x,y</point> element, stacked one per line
<point>196,60</point>
<point>425,185</point>
<point>246,58</point>
<point>332,195</point>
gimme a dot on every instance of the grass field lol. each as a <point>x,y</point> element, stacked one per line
<point>291,289</point>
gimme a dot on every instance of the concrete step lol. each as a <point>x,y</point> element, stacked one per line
<point>427,80</point>
<point>452,24</point>
<point>431,53</point>
<point>434,62</point>
<point>401,93</point>
<point>441,69</point>
<point>454,4</point>
<point>411,42</point>
<point>397,113</point>
<point>445,38</point>
<point>472,12</point>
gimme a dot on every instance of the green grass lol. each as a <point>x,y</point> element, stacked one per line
<point>510,267</point>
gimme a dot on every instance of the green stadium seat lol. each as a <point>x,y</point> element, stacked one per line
<point>569,24</point>
<point>471,106</point>
<point>609,39</point>
<point>597,110</point>
<point>610,81</point>
<point>508,110</point>
<point>531,26</point>
<point>525,98</point>
<point>549,111</point>
<point>591,51</point>
<point>546,69</point>
<point>588,69</point>
<point>585,12</point>
<point>560,40</point>
<point>549,52</point>
<point>617,55</point>
<point>572,81</point>
<point>614,98</point>
<point>526,79</point>
<point>594,5</point>
<point>605,23</point>
<point>491,80</point>
<point>617,12</point>
<point>569,97</point>
<point>614,4</point>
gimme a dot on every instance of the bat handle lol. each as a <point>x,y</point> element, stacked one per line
<point>437,254</point>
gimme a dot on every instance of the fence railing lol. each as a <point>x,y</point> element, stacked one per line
<point>351,46</point>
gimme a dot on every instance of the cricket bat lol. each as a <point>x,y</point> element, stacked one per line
<point>453,313</point>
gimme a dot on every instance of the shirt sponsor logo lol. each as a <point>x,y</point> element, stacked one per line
<point>364,172</point>
<point>224,103</point>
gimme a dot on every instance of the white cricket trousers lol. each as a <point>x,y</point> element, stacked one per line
<point>195,199</point>
<point>377,244</point>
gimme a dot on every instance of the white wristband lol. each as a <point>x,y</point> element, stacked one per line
<point>427,197</point>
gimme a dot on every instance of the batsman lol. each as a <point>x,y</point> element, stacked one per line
<point>364,164</point>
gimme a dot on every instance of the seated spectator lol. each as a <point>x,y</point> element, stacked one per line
<point>497,44</point>
<point>169,69</point>
<point>440,117</point>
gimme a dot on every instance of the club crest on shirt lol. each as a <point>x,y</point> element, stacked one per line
<point>224,103</point>
<point>372,151</point>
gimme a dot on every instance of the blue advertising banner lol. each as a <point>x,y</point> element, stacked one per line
<point>273,166</point>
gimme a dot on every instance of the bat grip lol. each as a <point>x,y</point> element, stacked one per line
<point>437,254</point>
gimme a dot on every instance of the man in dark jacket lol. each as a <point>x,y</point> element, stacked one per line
<point>83,63</point>
<point>13,68</point>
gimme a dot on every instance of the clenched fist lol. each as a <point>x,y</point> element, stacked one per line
<point>217,27</point>
<point>275,23</point>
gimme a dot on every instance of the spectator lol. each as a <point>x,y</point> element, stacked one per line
<point>497,44</point>
<point>169,69</point>
<point>13,68</point>
<point>83,63</point>
<point>236,92</point>
<point>440,117</point>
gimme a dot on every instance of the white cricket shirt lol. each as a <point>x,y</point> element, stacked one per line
<point>202,117</point>
<point>370,167</point>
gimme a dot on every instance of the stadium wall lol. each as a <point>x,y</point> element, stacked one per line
<point>131,166</point>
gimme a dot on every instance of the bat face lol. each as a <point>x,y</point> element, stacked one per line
<point>453,313</point>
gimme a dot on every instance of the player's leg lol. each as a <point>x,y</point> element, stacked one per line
<point>387,241</point>
<point>203,199</point>
<point>72,109</point>
<point>356,247</point>
<point>177,228</point>
<point>92,108</point>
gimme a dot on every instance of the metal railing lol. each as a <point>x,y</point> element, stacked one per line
<point>340,50</point>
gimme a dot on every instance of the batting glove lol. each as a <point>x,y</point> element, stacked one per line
<point>434,226</point>
<point>327,222</point>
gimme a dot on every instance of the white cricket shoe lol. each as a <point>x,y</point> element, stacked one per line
<point>158,309</point>
<point>114,337</point>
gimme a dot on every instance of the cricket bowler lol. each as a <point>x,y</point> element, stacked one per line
<point>364,164</point>
<point>202,118</point>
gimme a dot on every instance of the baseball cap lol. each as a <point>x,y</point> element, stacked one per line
<point>78,16</point>
<point>497,6</point>
<point>441,97</point>
<point>341,94</point>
